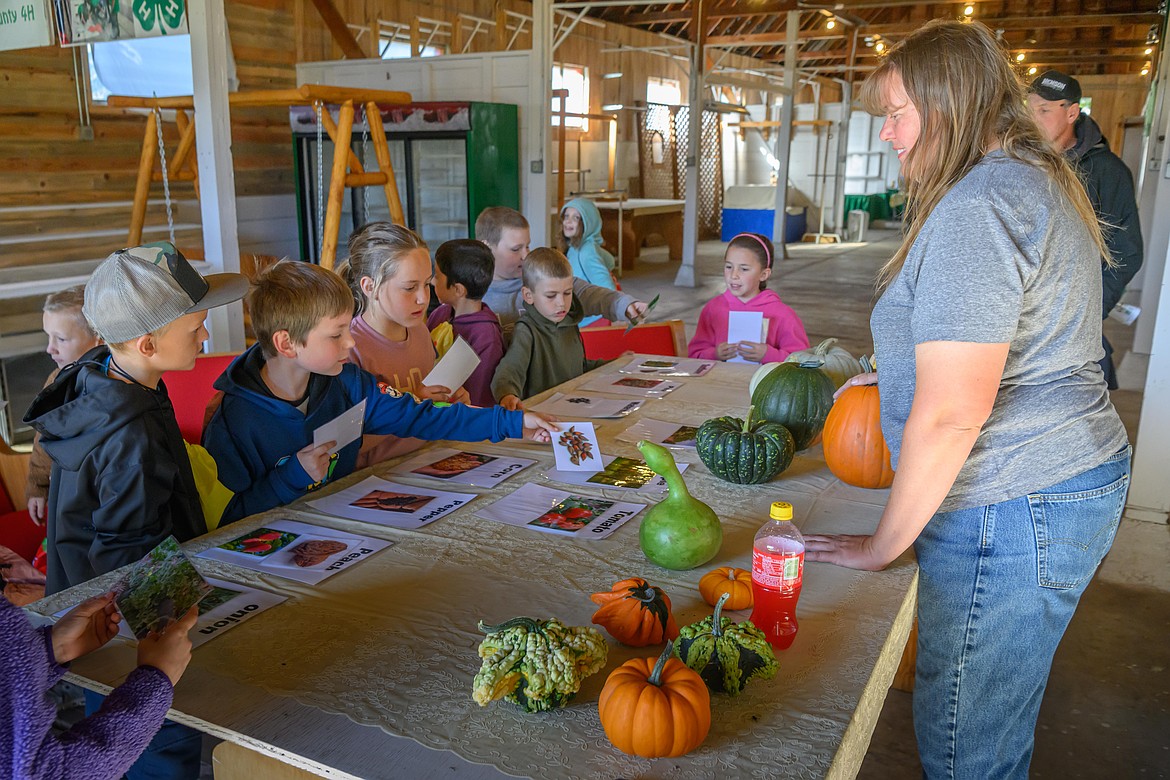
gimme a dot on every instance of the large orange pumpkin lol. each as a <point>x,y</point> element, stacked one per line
<point>855,449</point>
<point>736,583</point>
<point>655,708</point>
<point>635,613</point>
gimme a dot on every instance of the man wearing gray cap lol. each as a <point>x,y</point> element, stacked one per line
<point>121,479</point>
<point>1054,98</point>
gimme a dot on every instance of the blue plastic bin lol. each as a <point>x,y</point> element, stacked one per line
<point>760,221</point>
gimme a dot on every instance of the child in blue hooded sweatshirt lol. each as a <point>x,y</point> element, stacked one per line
<point>298,377</point>
<point>581,236</point>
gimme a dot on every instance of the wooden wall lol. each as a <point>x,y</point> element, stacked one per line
<point>1115,97</point>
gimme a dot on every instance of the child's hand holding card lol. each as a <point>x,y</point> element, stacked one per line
<point>575,447</point>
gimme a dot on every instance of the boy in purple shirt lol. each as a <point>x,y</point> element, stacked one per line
<point>463,272</point>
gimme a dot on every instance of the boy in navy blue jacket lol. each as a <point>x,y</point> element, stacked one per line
<point>297,377</point>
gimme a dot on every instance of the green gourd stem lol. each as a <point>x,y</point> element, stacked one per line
<point>656,675</point>
<point>812,363</point>
<point>717,618</point>
<point>529,623</point>
<point>747,422</point>
<point>661,462</point>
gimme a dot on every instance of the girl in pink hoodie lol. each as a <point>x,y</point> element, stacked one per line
<point>746,268</point>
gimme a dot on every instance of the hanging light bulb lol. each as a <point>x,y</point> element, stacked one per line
<point>1032,71</point>
<point>829,25</point>
<point>1145,70</point>
<point>1020,57</point>
<point>880,47</point>
<point>968,10</point>
<point>1149,50</point>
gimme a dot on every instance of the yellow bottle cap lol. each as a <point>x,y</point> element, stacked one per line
<point>781,510</point>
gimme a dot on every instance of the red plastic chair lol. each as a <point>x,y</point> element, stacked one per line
<point>191,390</point>
<point>651,338</point>
<point>17,530</point>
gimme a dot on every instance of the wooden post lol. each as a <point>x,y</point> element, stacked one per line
<point>182,156</point>
<point>375,25</point>
<point>501,29</point>
<point>142,185</point>
<point>562,95</point>
<point>414,38</point>
<point>382,152</point>
<point>213,149</point>
<point>457,34</point>
<point>337,185</point>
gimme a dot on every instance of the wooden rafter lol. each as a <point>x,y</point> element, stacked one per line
<point>340,31</point>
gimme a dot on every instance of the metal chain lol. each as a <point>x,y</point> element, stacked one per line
<point>365,165</point>
<point>319,105</point>
<point>162,156</point>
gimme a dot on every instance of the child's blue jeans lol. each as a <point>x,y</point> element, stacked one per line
<point>997,587</point>
<point>173,754</point>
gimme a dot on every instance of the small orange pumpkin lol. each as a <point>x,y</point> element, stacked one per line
<point>655,708</point>
<point>736,583</point>
<point>635,613</point>
<point>855,449</point>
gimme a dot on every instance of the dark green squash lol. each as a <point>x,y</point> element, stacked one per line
<point>746,452</point>
<point>799,397</point>
<point>726,655</point>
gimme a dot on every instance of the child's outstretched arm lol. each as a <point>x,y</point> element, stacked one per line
<point>611,304</point>
<point>390,411</point>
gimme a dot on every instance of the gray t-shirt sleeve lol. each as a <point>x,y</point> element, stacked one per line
<point>970,284</point>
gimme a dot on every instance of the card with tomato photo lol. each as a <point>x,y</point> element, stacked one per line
<point>560,512</point>
<point>261,542</point>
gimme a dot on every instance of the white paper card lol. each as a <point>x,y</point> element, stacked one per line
<point>619,473</point>
<point>462,467</point>
<point>561,512</point>
<point>296,551</point>
<point>579,404</point>
<point>228,605</point>
<point>667,366</point>
<point>343,429</point>
<point>640,386</point>
<point>378,501</point>
<point>744,326</point>
<point>575,447</point>
<point>455,367</point>
<point>668,434</point>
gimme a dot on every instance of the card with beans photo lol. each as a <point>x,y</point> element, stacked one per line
<point>575,447</point>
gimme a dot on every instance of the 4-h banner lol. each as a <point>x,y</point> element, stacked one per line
<point>90,21</point>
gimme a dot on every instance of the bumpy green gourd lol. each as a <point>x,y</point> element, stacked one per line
<point>746,452</point>
<point>726,655</point>
<point>536,664</point>
<point>680,532</point>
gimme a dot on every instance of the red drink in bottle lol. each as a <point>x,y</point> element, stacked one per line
<point>777,574</point>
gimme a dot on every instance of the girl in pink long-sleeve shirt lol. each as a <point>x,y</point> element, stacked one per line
<point>746,268</point>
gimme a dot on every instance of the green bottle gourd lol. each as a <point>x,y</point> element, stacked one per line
<point>680,532</point>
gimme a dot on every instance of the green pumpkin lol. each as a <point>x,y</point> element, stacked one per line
<point>798,396</point>
<point>679,532</point>
<point>726,655</point>
<point>746,452</point>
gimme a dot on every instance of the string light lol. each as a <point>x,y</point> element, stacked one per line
<point>880,47</point>
<point>1032,71</point>
<point>1149,50</point>
<point>968,10</point>
<point>829,25</point>
<point>1146,70</point>
<point>1020,57</point>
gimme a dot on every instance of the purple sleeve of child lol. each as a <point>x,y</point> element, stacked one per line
<point>103,745</point>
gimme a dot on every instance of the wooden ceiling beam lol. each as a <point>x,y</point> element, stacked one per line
<point>761,9</point>
<point>1031,23</point>
<point>339,30</point>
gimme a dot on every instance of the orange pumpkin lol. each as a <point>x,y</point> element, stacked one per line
<point>655,708</point>
<point>736,583</point>
<point>635,613</point>
<point>855,450</point>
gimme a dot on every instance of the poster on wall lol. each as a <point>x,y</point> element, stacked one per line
<point>81,22</point>
<point>25,24</point>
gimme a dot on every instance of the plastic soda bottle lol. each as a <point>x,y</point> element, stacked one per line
<point>777,573</point>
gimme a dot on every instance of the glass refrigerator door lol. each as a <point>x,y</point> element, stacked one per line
<point>375,197</point>
<point>439,174</point>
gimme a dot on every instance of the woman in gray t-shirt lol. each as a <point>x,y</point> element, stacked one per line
<point>1011,463</point>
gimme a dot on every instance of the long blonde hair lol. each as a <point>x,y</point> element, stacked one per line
<point>968,99</point>
<point>377,251</point>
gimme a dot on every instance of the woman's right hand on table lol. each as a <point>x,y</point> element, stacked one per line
<point>169,651</point>
<point>856,381</point>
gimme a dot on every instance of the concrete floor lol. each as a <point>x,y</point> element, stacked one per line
<point>1107,709</point>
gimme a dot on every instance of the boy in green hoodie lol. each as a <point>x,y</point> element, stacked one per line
<point>546,345</point>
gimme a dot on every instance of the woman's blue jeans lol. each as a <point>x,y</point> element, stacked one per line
<point>997,588</point>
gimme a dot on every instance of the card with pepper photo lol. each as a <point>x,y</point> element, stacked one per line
<point>561,512</point>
